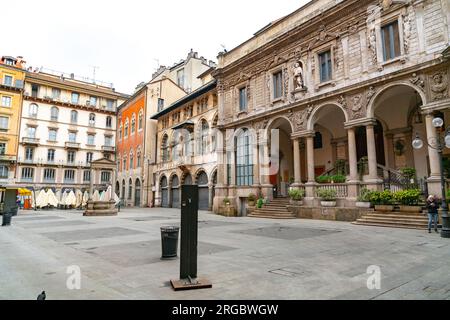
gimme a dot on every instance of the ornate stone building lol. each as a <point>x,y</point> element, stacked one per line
<point>344,82</point>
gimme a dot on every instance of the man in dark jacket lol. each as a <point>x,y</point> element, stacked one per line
<point>433,215</point>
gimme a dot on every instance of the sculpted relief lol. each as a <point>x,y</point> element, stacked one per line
<point>300,118</point>
<point>439,85</point>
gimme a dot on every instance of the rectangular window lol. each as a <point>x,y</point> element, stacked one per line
<point>2,149</point>
<point>75,97</point>
<point>69,176</point>
<point>34,90</point>
<point>49,175</point>
<point>56,93</point>
<point>109,104</point>
<point>108,141</point>
<point>6,101</point>
<point>242,99</point>
<point>105,176</point>
<point>27,174</point>
<point>4,123</point>
<point>244,160</point>
<point>86,175</point>
<point>93,101</point>
<point>108,122</point>
<point>29,154</point>
<point>89,157</point>
<point>91,139</point>
<point>31,132</point>
<point>73,137</point>
<point>160,104</point>
<point>125,164</point>
<point>8,81</point>
<point>3,172</point>
<point>70,156</point>
<point>180,78</point>
<point>277,85</point>
<point>325,66</point>
<point>52,133</point>
<point>391,41</point>
<point>51,155</point>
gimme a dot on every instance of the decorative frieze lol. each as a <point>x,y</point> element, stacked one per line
<point>439,85</point>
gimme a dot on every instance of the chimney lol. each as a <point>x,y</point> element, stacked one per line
<point>72,76</point>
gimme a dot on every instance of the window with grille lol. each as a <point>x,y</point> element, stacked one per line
<point>244,159</point>
<point>69,175</point>
<point>105,176</point>
<point>49,175</point>
<point>86,175</point>
<point>27,174</point>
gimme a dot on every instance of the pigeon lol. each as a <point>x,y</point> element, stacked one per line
<point>42,296</point>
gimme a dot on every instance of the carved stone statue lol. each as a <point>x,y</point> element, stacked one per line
<point>439,85</point>
<point>373,46</point>
<point>298,76</point>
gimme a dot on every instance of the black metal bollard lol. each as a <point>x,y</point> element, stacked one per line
<point>6,219</point>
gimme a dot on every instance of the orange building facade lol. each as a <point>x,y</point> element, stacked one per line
<point>130,150</point>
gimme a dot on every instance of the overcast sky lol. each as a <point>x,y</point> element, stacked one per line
<point>127,38</point>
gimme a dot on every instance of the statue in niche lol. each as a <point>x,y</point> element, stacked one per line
<point>298,76</point>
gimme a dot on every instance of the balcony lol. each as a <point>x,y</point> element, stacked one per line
<point>7,158</point>
<point>111,149</point>
<point>72,145</point>
<point>30,141</point>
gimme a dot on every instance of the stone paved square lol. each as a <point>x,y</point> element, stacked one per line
<point>245,258</point>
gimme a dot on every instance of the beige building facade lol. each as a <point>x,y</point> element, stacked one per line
<point>335,83</point>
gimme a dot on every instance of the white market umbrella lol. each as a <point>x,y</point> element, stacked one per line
<point>96,196</point>
<point>79,196</point>
<point>102,196</point>
<point>71,200</point>
<point>33,199</point>
<point>116,199</point>
<point>85,198</point>
<point>58,195</point>
<point>63,199</point>
<point>51,198</point>
<point>42,199</point>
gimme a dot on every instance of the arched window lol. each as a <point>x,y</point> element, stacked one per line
<point>109,122</point>
<point>214,134</point>
<point>125,131</point>
<point>91,119</point>
<point>204,133</point>
<point>140,120</point>
<point>123,190</point>
<point>54,114</point>
<point>33,110</point>
<point>131,160</point>
<point>130,189</point>
<point>244,159</point>
<point>165,148</point>
<point>120,131</point>
<point>133,124</point>
<point>138,159</point>
<point>73,116</point>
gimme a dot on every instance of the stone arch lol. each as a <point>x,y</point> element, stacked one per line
<point>383,89</point>
<point>274,120</point>
<point>199,172</point>
<point>186,178</point>
<point>313,117</point>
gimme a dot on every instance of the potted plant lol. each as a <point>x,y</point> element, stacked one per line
<point>226,201</point>
<point>408,200</point>
<point>409,174</point>
<point>296,196</point>
<point>327,197</point>
<point>382,200</point>
<point>363,200</point>
<point>251,200</point>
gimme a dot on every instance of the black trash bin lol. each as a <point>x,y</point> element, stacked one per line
<point>169,241</point>
<point>14,210</point>
<point>6,219</point>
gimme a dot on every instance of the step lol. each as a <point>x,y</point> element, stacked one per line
<point>272,217</point>
<point>272,209</point>
<point>386,225</point>
<point>272,213</point>
<point>399,216</point>
<point>388,222</point>
<point>395,218</point>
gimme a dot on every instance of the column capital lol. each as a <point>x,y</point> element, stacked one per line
<point>303,134</point>
<point>360,123</point>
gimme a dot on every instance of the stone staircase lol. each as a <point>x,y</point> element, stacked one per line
<point>275,209</point>
<point>404,220</point>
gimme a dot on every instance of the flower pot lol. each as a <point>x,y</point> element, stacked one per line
<point>296,203</point>
<point>363,205</point>
<point>414,209</point>
<point>251,203</point>
<point>384,207</point>
<point>328,204</point>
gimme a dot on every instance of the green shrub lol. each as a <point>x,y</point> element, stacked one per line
<point>408,197</point>
<point>260,203</point>
<point>251,197</point>
<point>409,173</point>
<point>296,194</point>
<point>364,195</point>
<point>226,201</point>
<point>326,194</point>
<point>323,179</point>
<point>338,178</point>
<point>381,197</point>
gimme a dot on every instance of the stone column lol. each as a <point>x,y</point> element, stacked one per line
<point>352,155</point>
<point>434,181</point>
<point>310,185</point>
<point>372,153</point>
<point>91,186</point>
<point>266,187</point>
<point>334,146</point>
<point>210,199</point>
<point>353,181</point>
<point>256,177</point>
<point>409,151</point>
<point>297,163</point>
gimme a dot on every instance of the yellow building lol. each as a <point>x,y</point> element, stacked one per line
<point>12,74</point>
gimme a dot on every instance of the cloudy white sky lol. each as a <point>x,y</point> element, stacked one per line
<point>127,38</point>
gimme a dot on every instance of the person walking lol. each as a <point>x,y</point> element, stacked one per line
<point>433,215</point>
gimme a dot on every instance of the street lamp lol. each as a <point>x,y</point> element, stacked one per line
<point>439,145</point>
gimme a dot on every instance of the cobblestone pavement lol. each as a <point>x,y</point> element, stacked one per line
<point>245,258</point>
